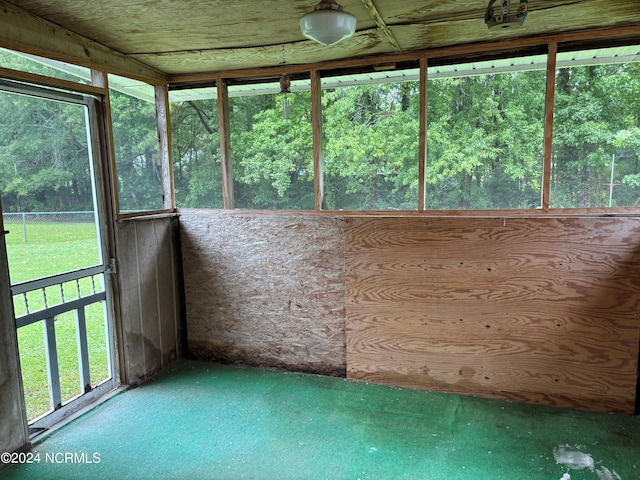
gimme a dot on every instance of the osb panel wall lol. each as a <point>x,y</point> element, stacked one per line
<point>537,310</point>
<point>265,290</point>
<point>150,294</point>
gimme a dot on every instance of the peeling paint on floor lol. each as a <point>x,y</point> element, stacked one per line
<point>605,474</point>
<point>574,459</point>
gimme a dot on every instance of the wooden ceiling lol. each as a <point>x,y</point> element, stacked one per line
<point>192,36</point>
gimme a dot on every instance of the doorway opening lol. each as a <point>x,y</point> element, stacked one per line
<point>53,209</point>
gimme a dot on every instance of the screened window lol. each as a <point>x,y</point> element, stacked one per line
<point>44,66</point>
<point>371,124</point>
<point>596,136</point>
<point>485,132</point>
<point>272,146</point>
<point>195,143</point>
<point>137,148</point>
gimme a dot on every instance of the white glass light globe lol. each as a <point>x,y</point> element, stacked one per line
<point>328,26</point>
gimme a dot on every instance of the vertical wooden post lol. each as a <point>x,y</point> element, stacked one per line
<point>548,124</point>
<point>316,126</point>
<point>225,144</point>
<point>422,143</point>
<point>164,135</point>
<point>100,79</point>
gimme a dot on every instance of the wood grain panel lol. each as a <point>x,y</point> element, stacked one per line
<point>150,306</point>
<point>541,310</point>
<point>147,250</point>
<point>168,314</point>
<point>131,316</point>
<point>439,33</point>
<point>193,36</point>
<point>265,290</point>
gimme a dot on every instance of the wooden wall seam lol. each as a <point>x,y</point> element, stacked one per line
<point>149,301</point>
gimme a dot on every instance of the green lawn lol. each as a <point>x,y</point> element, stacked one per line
<point>54,248</point>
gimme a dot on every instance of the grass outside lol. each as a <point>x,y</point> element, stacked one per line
<point>54,248</point>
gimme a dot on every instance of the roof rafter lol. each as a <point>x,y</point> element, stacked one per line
<point>375,15</point>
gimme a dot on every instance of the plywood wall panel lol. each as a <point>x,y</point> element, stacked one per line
<point>129,281</point>
<point>147,254</point>
<point>265,290</point>
<point>168,304</point>
<point>150,303</point>
<point>540,310</point>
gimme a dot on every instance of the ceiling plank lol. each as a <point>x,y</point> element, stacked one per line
<point>145,37</point>
<point>560,19</point>
<point>375,14</point>
<point>22,31</point>
<point>628,34</point>
<point>408,12</point>
<point>363,43</point>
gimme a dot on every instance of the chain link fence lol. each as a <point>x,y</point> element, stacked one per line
<point>24,219</point>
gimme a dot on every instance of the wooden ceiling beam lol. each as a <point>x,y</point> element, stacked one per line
<point>375,15</point>
<point>24,32</point>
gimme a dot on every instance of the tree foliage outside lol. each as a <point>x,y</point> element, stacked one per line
<point>484,146</point>
<point>44,158</point>
<point>43,66</point>
<point>370,146</point>
<point>272,156</point>
<point>485,141</point>
<point>137,150</point>
<point>195,141</point>
<point>597,117</point>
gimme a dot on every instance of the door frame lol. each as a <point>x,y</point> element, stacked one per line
<point>95,115</point>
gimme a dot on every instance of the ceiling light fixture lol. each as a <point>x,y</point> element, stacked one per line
<point>505,18</point>
<point>328,23</point>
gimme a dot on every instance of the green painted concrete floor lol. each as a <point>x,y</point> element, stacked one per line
<point>207,421</point>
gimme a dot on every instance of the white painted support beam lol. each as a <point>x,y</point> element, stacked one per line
<point>51,354</point>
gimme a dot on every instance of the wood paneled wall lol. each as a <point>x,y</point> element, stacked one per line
<point>542,310</point>
<point>265,290</point>
<point>150,294</point>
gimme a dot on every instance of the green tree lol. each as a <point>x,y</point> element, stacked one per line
<point>596,117</point>
<point>196,154</point>
<point>371,146</point>
<point>485,139</point>
<point>272,155</point>
<point>137,152</point>
<point>44,157</point>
